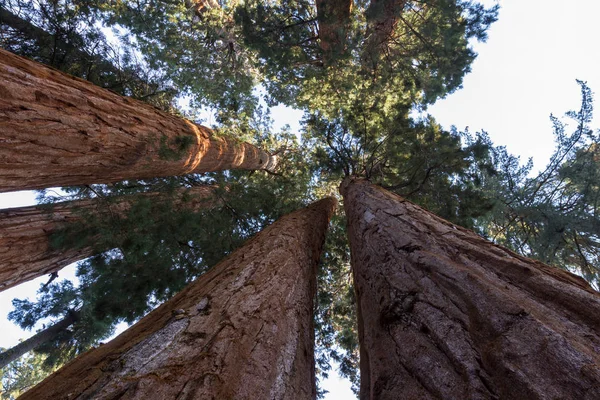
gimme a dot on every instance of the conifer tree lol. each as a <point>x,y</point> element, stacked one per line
<point>242,330</point>
<point>65,36</point>
<point>555,215</point>
<point>30,245</point>
<point>445,314</point>
<point>21,375</point>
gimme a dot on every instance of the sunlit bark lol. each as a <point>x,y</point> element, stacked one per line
<point>57,130</point>
<point>243,330</point>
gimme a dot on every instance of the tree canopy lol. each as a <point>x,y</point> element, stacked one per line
<point>363,74</point>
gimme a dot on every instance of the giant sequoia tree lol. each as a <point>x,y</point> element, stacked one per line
<point>26,246</point>
<point>65,36</point>
<point>59,130</point>
<point>242,330</point>
<point>357,71</point>
<point>445,314</point>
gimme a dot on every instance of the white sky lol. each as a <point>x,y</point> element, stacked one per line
<point>525,71</point>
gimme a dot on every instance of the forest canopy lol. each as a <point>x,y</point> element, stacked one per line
<point>363,74</point>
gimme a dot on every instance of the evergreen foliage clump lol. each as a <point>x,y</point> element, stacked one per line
<point>364,101</point>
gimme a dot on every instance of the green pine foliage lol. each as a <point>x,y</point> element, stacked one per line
<point>554,216</point>
<point>22,374</point>
<point>359,105</point>
<point>66,35</point>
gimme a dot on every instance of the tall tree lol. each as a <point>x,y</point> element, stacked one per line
<point>27,250</point>
<point>445,314</point>
<point>157,247</point>
<point>424,56</point>
<point>222,336</point>
<point>38,339</point>
<point>197,45</point>
<point>59,131</point>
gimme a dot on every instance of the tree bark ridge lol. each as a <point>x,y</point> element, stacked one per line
<point>243,330</point>
<point>445,314</point>
<point>25,248</point>
<point>58,130</point>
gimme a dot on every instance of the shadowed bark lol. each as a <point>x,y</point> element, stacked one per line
<point>38,339</point>
<point>243,330</point>
<point>445,314</point>
<point>25,249</point>
<point>58,130</point>
<point>334,18</point>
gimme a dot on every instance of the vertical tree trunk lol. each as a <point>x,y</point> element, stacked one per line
<point>57,130</point>
<point>445,314</point>
<point>25,249</point>
<point>334,18</point>
<point>39,338</point>
<point>243,330</point>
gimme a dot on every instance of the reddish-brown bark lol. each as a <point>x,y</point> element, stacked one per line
<point>58,130</point>
<point>382,18</point>
<point>243,330</point>
<point>25,249</point>
<point>333,17</point>
<point>445,314</point>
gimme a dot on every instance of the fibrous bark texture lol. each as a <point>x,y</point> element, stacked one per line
<point>445,314</point>
<point>57,130</point>
<point>243,330</point>
<point>25,245</point>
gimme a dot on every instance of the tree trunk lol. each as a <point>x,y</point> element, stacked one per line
<point>50,47</point>
<point>334,18</point>
<point>39,338</point>
<point>57,130</point>
<point>25,249</point>
<point>382,18</point>
<point>243,330</point>
<point>445,314</point>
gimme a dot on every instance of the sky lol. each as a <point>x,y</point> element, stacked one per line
<point>524,72</point>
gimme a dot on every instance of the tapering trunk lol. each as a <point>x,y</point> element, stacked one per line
<point>382,17</point>
<point>25,249</point>
<point>57,130</point>
<point>334,20</point>
<point>445,314</point>
<point>39,338</point>
<point>243,330</point>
